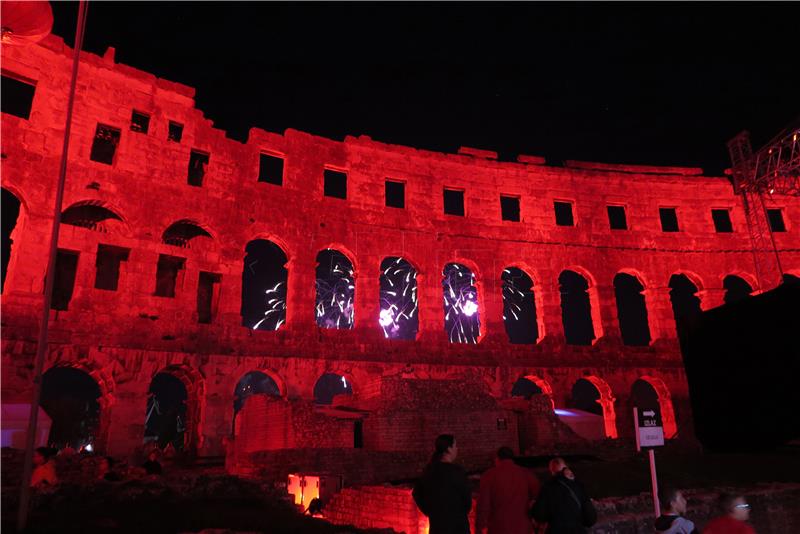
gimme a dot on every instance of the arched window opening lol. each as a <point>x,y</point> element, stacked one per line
<point>519,307</point>
<point>70,397</point>
<point>10,211</point>
<point>336,290</point>
<point>525,388</point>
<point>89,215</point>
<point>398,316</point>
<point>461,314</point>
<point>253,383</point>
<point>736,289</point>
<point>165,417</point>
<point>264,286</point>
<point>685,303</point>
<point>791,279</point>
<point>181,234</point>
<point>651,393</point>
<point>329,386</point>
<point>576,309</point>
<point>631,310</point>
<point>586,397</point>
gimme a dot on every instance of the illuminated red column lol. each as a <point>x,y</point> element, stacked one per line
<point>660,317</point>
<point>301,293</point>
<point>490,297</point>
<point>551,312</point>
<point>429,300</point>
<point>606,302</point>
<point>367,297</point>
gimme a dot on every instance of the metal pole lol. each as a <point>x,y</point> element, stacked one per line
<point>654,481</point>
<point>41,346</point>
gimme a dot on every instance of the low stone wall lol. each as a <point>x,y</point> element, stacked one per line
<point>775,510</point>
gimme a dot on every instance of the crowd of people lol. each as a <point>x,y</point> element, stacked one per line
<point>44,477</point>
<point>511,500</point>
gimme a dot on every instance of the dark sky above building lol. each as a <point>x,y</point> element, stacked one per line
<point>655,83</point>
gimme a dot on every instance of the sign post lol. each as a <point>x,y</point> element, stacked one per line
<point>649,432</point>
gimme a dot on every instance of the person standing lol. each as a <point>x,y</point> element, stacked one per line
<point>442,493</point>
<point>671,520</point>
<point>736,512</point>
<point>506,494</point>
<point>563,503</point>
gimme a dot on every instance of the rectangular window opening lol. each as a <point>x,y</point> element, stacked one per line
<point>207,294</point>
<point>454,202</point>
<point>17,96</point>
<point>335,184</point>
<point>722,220</point>
<point>616,218</point>
<point>669,219</point>
<point>109,259</point>
<point>270,169</point>
<point>563,212</point>
<point>140,122</point>
<point>198,165</point>
<point>167,274</point>
<point>395,194</point>
<point>509,208</point>
<point>66,267</point>
<point>104,145</point>
<point>776,222</point>
<point>175,132</point>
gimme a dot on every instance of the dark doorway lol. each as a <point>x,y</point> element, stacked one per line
<point>71,398</point>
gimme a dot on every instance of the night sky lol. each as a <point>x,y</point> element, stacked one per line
<point>662,84</point>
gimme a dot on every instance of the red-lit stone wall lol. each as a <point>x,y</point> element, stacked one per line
<point>123,338</point>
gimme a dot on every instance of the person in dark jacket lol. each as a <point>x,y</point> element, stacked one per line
<point>442,493</point>
<point>673,508</point>
<point>563,503</point>
<point>507,492</point>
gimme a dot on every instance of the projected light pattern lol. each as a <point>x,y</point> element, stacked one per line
<point>335,290</point>
<point>461,317</point>
<point>519,308</point>
<point>398,299</point>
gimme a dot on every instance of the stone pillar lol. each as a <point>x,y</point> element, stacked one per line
<point>660,317</point>
<point>490,297</point>
<point>301,293</point>
<point>551,312</point>
<point>367,297</point>
<point>609,320</point>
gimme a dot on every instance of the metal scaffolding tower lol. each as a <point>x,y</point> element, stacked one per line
<point>773,170</point>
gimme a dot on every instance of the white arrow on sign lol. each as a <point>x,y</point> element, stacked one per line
<point>649,413</point>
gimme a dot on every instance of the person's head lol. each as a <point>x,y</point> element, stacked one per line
<point>672,500</point>
<point>105,464</point>
<point>41,455</point>
<point>557,465</point>
<point>152,455</point>
<point>504,454</point>
<point>734,506</point>
<point>445,449</point>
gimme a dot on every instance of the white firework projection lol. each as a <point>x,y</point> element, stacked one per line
<point>264,286</point>
<point>398,299</point>
<point>461,317</point>
<point>335,290</point>
<point>519,309</point>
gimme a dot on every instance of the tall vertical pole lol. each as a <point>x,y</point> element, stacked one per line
<point>41,345</point>
<point>654,482</point>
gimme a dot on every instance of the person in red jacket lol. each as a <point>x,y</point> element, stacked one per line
<point>506,494</point>
<point>736,511</point>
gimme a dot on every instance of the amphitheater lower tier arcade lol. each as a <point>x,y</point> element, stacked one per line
<point>186,253</point>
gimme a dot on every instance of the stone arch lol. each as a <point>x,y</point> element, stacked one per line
<point>665,403</point>
<point>398,304</point>
<point>792,276</point>
<point>520,313</point>
<point>183,233</point>
<point>94,215</point>
<point>606,401</point>
<point>462,303</point>
<point>331,384</point>
<point>685,299</point>
<point>538,299</point>
<point>580,306</point>
<point>544,386</point>
<point>334,304</point>
<point>14,207</point>
<point>194,382</point>
<point>345,251</point>
<point>736,288</point>
<point>632,315</point>
<point>105,400</point>
<point>265,276</point>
